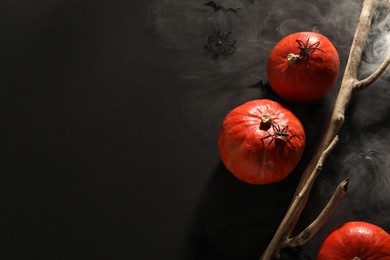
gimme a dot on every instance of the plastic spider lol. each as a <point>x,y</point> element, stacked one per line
<point>220,44</point>
<point>306,51</point>
<point>282,134</point>
<point>293,253</point>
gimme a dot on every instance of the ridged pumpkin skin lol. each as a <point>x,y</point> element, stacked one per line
<point>250,156</point>
<point>303,80</point>
<point>356,240</point>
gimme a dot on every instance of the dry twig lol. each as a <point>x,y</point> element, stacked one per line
<point>328,141</point>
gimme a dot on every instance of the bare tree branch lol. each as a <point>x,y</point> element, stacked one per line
<point>374,76</point>
<point>304,194</point>
<point>291,217</point>
<point>318,223</point>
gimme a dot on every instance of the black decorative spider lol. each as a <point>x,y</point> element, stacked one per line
<point>281,134</point>
<point>293,253</point>
<point>306,51</point>
<point>220,44</point>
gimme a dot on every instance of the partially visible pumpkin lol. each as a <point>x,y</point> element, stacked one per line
<point>303,67</point>
<point>261,141</point>
<point>356,241</point>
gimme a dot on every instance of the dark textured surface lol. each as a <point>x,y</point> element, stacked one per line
<point>110,112</point>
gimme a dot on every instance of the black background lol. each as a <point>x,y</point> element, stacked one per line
<point>98,158</point>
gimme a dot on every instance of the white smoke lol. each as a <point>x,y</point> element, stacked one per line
<point>378,42</point>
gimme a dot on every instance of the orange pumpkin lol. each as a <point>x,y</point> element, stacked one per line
<point>303,67</point>
<point>261,142</point>
<point>356,241</point>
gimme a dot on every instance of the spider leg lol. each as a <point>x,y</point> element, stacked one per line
<point>288,138</point>
<point>314,45</point>
<point>265,137</point>
<point>290,143</point>
<point>222,36</point>
<point>292,134</point>
<point>313,49</point>
<point>230,42</point>
<point>307,41</point>
<point>289,131</point>
<point>273,122</point>
<point>316,59</point>
<point>301,43</point>
<point>276,127</point>
<point>225,35</point>
<point>230,48</point>
<point>223,49</point>
<point>273,138</point>
<point>227,40</point>
<point>308,58</point>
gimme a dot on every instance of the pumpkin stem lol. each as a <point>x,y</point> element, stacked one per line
<point>266,122</point>
<point>292,58</point>
<point>305,51</point>
<point>356,258</point>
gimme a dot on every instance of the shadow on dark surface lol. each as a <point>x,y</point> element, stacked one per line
<point>235,220</point>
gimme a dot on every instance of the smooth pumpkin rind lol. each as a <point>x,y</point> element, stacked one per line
<point>356,239</point>
<point>303,81</point>
<point>252,159</point>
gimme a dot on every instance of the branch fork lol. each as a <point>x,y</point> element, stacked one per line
<point>282,237</point>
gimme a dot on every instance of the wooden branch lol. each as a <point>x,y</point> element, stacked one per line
<point>288,223</point>
<point>329,138</point>
<point>303,195</point>
<point>374,76</point>
<point>319,222</point>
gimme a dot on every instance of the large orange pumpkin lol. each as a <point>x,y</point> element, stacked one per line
<point>356,240</point>
<point>261,141</point>
<point>303,67</point>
